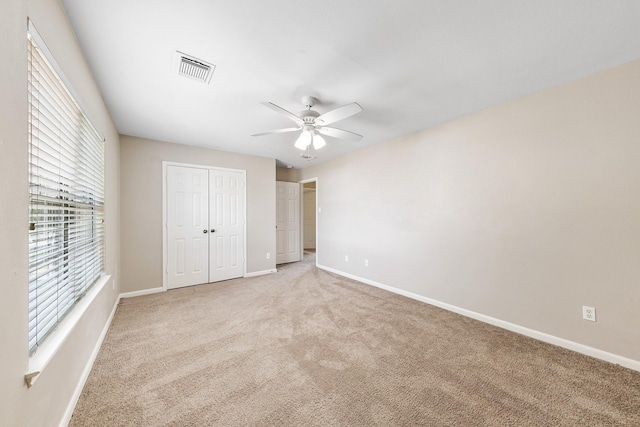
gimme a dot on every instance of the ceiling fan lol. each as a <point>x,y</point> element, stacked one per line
<point>314,124</point>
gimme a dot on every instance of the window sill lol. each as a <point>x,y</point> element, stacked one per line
<point>46,352</point>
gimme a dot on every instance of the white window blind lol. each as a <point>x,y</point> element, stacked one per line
<point>66,205</point>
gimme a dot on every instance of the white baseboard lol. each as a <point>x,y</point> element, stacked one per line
<point>142,292</point>
<point>261,273</point>
<point>87,369</point>
<point>541,336</point>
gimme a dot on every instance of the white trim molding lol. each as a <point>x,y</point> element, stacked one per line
<point>261,273</point>
<point>318,210</point>
<point>532,333</point>
<point>142,292</point>
<point>87,369</point>
<point>46,351</point>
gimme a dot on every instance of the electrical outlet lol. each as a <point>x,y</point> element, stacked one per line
<point>346,258</point>
<point>588,313</point>
<point>268,255</point>
<point>366,263</point>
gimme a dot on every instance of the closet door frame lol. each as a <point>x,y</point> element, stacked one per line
<point>165,251</point>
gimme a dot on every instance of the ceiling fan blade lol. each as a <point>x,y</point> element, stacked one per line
<point>270,132</point>
<point>339,133</point>
<point>284,112</point>
<point>339,113</point>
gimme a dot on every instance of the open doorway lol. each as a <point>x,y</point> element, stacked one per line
<point>309,216</point>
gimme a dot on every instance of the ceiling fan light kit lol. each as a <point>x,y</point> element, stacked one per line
<point>318,142</point>
<point>303,140</point>
<point>312,124</point>
<point>308,136</point>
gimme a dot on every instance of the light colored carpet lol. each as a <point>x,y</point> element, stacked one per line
<point>305,347</point>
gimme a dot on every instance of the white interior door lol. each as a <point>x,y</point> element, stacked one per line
<point>309,197</point>
<point>288,222</point>
<point>205,225</point>
<point>187,226</point>
<point>226,219</point>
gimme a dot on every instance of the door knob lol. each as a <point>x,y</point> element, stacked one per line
<point>213,230</point>
<point>205,231</point>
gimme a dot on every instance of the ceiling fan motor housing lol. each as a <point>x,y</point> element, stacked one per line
<point>308,116</point>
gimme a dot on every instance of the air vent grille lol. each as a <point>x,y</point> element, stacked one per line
<point>194,68</point>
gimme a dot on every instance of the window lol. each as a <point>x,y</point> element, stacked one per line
<point>66,198</point>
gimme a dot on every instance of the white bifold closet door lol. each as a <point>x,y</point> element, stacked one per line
<point>205,225</point>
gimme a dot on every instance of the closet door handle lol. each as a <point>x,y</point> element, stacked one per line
<point>205,231</point>
<point>213,230</point>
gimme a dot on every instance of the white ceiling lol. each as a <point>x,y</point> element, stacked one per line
<point>409,64</point>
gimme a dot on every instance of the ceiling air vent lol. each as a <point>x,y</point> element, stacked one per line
<point>194,68</point>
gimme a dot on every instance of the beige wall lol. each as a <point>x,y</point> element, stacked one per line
<point>46,402</point>
<point>287,175</point>
<point>141,216</point>
<point>524,212</point>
